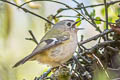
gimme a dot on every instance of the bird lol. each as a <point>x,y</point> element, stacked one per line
<point>57,45</point>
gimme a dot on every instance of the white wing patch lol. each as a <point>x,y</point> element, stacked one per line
<point>51,41</point>
<point>54,40</point>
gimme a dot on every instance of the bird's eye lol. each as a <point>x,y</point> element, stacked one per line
<point>69,24</point>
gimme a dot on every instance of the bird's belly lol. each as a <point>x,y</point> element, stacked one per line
<point>63,52</point>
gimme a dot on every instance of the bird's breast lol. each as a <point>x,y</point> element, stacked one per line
<point>64,52</point>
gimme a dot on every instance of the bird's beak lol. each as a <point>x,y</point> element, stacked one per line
<point>73,26</point>
<point>75,23</point>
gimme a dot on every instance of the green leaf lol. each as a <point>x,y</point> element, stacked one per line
<point>78,15</point>
<point>110,19</point>
<point>50,18</point>
<point>103,11</point>
<point>92,14</point>
<point>78,24</point>
<point>59,10</point>
<point>97,20</point>
<point>104,26</point>
<point>56,20</point>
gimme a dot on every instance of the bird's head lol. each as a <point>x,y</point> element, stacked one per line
<point>67,25</point>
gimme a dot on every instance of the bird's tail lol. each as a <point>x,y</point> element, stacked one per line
<point>22,61</point>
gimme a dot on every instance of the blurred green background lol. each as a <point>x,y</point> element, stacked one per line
<point>14,26</point>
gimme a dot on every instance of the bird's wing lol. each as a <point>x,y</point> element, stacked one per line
<point>45,43</point>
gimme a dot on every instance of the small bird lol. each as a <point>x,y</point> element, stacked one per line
<point>57,46</point>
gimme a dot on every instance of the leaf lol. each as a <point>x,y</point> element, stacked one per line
<point>48,25</point>
<point>98,20</point>
<point>103,11</point>
<point>78,15</point>
<point>78,24</point>
<point>50,18</point>
<point>92,14</point>
<point>110,19</point>
<point>56,20</point>
<point>59,10</point>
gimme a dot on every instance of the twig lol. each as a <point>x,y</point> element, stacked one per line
<point>27,11</point>
<point>33,37</point>
<point>76,2</point>
<point>93,22</point>
<point>96,5</point>
<point>54,2</point>
<point>106,13</point>
<point>65,6</point>
<point>113,49</point>
<point>96,37</point>
<point>44,75</point>
<point>84,74</point>
<point>83,58</point>
<point>49,78</point>
<point>102,66</point>
<point>78,62</point>
<point>99,45</point>
<point>106,16</point>
<point>82,18</point>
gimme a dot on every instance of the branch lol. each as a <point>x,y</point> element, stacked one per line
<point>99,45</point>
<point>65,6</point>
<point>96,5</point>
<point>102,66</point>
<point>95,37</point>
<point>82,19</point>
<point>33,37</point>
<point>76,2</point>
<point>94,24</point>
<point>43,75</point>
<point>106,13</point>
<point>54,2</point>
<point>27,11</point>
